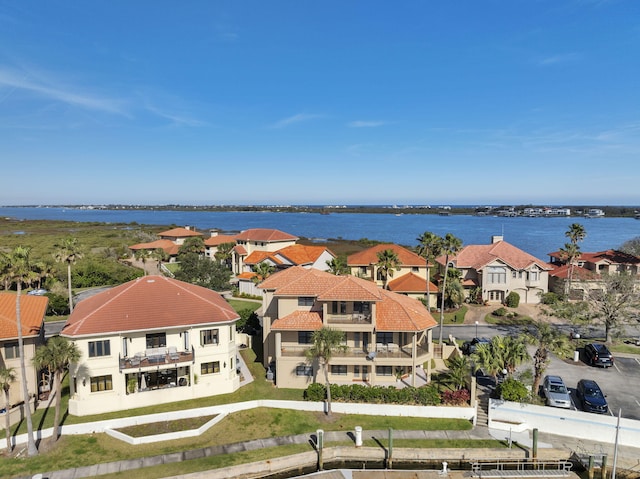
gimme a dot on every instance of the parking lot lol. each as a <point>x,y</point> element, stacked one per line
<point>620,383</point>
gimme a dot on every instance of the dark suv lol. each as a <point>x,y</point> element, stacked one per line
<point>597,354</point>
<point>469,347</point>
<point>591,397</point>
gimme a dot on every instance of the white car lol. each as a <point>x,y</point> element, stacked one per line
<point>555,392</point>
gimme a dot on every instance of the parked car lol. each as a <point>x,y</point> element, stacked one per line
<point>469,347</point>
<point>555,392</point>
<point>37,292</point>
<point>597,354</point>
<point>591,397</point>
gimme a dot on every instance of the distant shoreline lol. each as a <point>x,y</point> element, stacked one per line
<point>577,211</point>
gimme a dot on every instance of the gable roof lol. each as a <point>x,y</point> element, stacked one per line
<point>265,234</point>
<point>168,246</point>
<point>32,312</point>
<point>394,312</point>
<point>299,321</point>
<point>179,233</point>
<point>411,283</point>
<point>578,273</point>
<point>302,254</point>
<point>478,256</point>
<point>147,303</point>
<point>259,256</point>
<point>369,256</point>
<point>217,240</point>
<point>398,312</point>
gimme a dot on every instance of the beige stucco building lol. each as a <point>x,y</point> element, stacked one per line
<point>387,335</point>
<point>149,341</point>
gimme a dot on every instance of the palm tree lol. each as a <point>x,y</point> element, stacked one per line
<point>450,247</point>
<point>459,369</point>
<point>429,246</point>
<point>56,356</point>
<point>511,350</point>
<point>68,252</point>
<point>570,253</point>
<point>387,262</point>
<point>7,376</point>
<point>454,294</point>
<point>484,358</point>
<point>224,253</point>
<point>142,255</point>
<point>324,343</point>
<point>546,339</point>
<point>338,266</point>
<point>192,245</point>
<point>262,270</point>
<point>576,233</point>
<point>19,269</point>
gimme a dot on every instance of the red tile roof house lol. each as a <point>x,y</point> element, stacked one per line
<point>32,313</point>
<point>149,341</point>
<point>169,241</point>
<point>587,270</point>
<point>386,333</point>
<point>410,280</point>
<point>307,256</point>
<point>499,268</point>
<point>258,239</point>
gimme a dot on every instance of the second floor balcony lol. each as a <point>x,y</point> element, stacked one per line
<point>157,356</point>
<point>370,352</point>
<point>350,319</point>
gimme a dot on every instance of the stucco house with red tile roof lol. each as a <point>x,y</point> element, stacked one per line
<point>587,269</point>
<point>386,333</point>
<point>32,313</point>
<point>149,341</point>
<point>410,279</point>
<point>169,241</point>
<point>500,268</point>
<point>258,239</point>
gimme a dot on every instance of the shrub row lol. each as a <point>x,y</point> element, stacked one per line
<point>423,396</point>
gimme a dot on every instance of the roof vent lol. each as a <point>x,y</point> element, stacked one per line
<point>151,281</point>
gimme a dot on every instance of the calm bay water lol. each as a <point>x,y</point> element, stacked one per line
<point>537,236</point>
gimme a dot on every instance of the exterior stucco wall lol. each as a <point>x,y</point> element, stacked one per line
<point>15,391</point>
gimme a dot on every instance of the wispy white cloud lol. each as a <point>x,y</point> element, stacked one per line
<point>366,124</point>
<point>292,120</point>
<point>28,82</point>
<point>176,119</point>
<point>557,59</point>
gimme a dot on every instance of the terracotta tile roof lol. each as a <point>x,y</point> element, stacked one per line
<point>147,303</point>
<point>219,239</point>
<point>299,321</point>
<point>247,275</point>
<point>179,233</point>
<point>32,311</point>
<point>478,256</point>
<point>241,250</point>
<point>397,312</point>
<point>579,274</point>
<point>302,254</point>
<point>299,281</point>
<point>265,234</point>
<point>411,283</point>
<point>370,256</point>
<point>260,256</point>
<point>168,246</point>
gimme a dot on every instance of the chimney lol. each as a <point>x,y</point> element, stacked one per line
<point>496,238</point>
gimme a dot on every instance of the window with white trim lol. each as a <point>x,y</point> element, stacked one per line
<point>101,383</point>
<point>304,370</point>
<point>99,348</point>
<point>209,336</point>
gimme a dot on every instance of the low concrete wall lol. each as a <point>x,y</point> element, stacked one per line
<point>467,413</point>
<point>16,414</point>
<point>582,425</point>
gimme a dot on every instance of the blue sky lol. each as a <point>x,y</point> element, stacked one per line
<point>320,102</point>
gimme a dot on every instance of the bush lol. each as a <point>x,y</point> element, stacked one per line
<point>58,305</point>
<point>316,392</point>
<point>461,397</point>
<point>500,312</point>
<point>549,298</point>
<point>512,300</point>
<point>423,396</point>
<point>512,390</point>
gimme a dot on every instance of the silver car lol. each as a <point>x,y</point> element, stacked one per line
<point>555,392</point>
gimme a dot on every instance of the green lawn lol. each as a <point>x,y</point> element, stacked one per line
<point>242,304</point>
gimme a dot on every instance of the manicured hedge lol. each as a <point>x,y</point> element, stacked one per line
<point>423,396</point>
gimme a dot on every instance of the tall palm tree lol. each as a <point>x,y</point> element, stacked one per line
<point>576,233</point>
<point>7,376</point>
<point>159,255</point>
<point>451,246</point>
<point>56,356</point>
<point>224,253</point>
<point>68,252</point>
<point>484,358</point>
<point>570,253</point>
<point>387,262</point>
<point>338,266</point>
<point>324,343</point>
<point>547,340</point>
<point>454,293</point>
<point>429,246</point>
<point>19,269</point>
